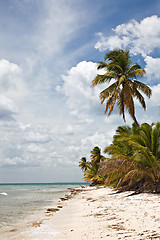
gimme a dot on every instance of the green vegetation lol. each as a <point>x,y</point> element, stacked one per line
<point>134,155</point>
<point>125,87</point>
<point>91,168</point>
<point>135,158</point>
<point>134,162</point>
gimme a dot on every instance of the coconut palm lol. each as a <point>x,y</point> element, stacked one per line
<point>96,156</point>
<point>120,162</point>
<point>135,158</point>
<point>91,168</point>
<point>125,86</point>
<point>83,164</point>
<point>90,175</point>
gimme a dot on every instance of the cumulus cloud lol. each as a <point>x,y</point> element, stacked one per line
<point>81,98</point>
<point>140,37</point>
<point>97,139</point>
<point>152,68</point>
<point>12,89</point>
<point>154,101</point>
<point>11,82</point>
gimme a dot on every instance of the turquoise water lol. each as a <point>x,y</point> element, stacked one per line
<point>20,200</point>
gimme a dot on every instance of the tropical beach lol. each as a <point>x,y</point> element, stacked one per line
<point>95,213</point>
<point>79,120</point>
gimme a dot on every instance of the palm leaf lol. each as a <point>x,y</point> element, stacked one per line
<point>107,92</point>
<point>102,65</point>
<point>143,87</point>
<point>107,77</point>
<point>137,73</point>
<point>132,68</point>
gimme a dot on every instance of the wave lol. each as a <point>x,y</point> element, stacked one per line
<point>3,193</point>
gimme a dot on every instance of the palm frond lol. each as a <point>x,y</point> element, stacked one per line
<point>121,79</point>
<point>132,68</point>
<point>143,87</point>
<point>112,56</point>
<point>145,131</point>
<point>155,138</point>
<point>99,79</point>
<point>102,65</point>
<point>112,67</point>
<point>110,102</point>
<point>128,99</point>
<point>107,92</point>
<point>124,129</point>
<point>140,72</point>
<point>120,104</point>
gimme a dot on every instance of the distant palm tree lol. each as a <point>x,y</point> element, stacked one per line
<point>96,156</point>
<point>90,175</point>
<point>91,168</point>
<point>83,164</point>
<point>125,87</point>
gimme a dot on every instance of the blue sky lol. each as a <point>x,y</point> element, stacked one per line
<point>49,115</point>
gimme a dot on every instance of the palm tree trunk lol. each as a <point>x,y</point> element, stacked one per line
<point>135,120</point>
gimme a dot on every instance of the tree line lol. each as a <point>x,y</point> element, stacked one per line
<point>134,155</point>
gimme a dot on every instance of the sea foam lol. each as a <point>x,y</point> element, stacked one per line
<point>3,193</point>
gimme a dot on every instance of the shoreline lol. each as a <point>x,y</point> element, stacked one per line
<point>92,213</point>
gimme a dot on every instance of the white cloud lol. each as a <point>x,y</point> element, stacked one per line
<point>35,149</point>
<point>72,149</point>
<point>22,126</point>
<point>11,82</point>
<point>152,68</point>
<point>36,137</point>
<point>7,108</point>
<point>98,139</point>
<point>69,130</point>
<point>14,162</point>
<point>57,28</point>
<point>140,37</point>
<point>155,98</point>
<point>81,98</point>
<point>12,89</point>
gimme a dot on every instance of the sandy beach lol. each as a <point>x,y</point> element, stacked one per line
<point>95,213</point>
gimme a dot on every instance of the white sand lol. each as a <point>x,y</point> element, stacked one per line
<point>97,214</point>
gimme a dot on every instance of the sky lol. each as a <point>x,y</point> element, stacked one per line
<point>50,117</point>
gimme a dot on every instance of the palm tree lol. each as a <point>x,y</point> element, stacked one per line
<point>120,162</point>
<point>96,156</point>
<point>125,87</point>
<point>135,158</point>
<point>91,167</point>
<point>83,164</point>
<point>90,175</point>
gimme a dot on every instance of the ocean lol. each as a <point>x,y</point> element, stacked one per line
<point>22,201</point>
